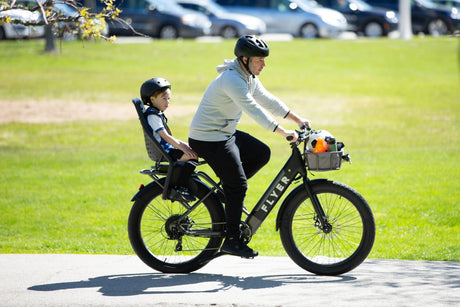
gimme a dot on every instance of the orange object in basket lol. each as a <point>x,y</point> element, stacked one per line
<point>320,146</point>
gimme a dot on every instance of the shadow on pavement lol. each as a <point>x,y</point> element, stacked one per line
<point>135,284</point>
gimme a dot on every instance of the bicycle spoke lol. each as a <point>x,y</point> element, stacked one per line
<point>327,247</point>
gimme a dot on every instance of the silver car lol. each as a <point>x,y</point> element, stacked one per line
<point>16,30</point>
<point>224,23</point>
<point>291,16</point>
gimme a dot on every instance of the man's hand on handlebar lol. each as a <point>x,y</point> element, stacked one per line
<point>305,123</point>
<point>290,135</point>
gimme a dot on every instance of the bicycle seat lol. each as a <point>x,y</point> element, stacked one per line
<point>154,150</point>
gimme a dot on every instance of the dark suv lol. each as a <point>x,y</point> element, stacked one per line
<point>158,18</point>
<point>427,17</point>
<point>364,18</point>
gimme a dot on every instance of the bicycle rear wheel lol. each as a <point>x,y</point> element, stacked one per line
<point>169,241</point>
<point>335,249</point>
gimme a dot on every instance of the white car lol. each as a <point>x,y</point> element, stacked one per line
<point>16,30</point>
<point>224,23</point>
<point>291,16</point>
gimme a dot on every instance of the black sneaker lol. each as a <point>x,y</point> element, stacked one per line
<point>184,193</point>
<point>237,248</point>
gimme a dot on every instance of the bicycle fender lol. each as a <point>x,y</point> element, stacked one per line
<point>288,198</point>
<point>145,189</point>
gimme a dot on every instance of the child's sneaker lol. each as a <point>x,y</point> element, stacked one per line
<point>184,193</point>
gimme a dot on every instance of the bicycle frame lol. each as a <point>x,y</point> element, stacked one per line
<point>294,165</point>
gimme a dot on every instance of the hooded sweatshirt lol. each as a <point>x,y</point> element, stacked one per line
<point>224,101</point>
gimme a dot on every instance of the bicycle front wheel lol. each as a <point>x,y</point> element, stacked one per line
<point>172,237</point>
<point>340,246</point>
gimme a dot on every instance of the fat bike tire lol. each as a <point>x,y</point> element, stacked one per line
<point>337,250</point>
<point>161,241</point>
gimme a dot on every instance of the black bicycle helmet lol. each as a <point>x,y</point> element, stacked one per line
<point>151,86</point>
<point>251,45</point>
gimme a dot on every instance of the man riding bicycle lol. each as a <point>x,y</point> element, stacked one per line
<point>234,155</point>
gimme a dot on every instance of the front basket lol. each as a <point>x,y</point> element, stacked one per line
<point>324,161</point>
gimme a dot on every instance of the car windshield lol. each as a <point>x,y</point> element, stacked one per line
<point>164,6</point>
<point>66,10</point>
<point>427,3</point>
<point>306,4</point>
<point>360,5</point>
<point>215,8</point>
<point>354,4</point>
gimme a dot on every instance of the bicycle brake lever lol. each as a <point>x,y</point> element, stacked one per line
<point>347,158</point>
<point>304,127</point>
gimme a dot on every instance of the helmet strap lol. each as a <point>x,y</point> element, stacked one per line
<point>246,65</point>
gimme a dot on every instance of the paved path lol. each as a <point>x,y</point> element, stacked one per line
<point>113,280</point>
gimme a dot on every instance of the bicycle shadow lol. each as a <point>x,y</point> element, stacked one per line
<point>158,283</point>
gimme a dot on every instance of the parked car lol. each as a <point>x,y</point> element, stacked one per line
<point>158,18</point>
<point>224,23</point>
<point>70,30</point>
<point>296,17</point>
<point>15,30</point>
<point>363,18</point>
<point>426,16</point>
<point>66,30</point>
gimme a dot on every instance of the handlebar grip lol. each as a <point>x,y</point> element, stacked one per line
<point>289,138</point>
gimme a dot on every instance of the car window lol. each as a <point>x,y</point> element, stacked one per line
<point>247,3</point>
<point>133,4</point>
<point>27,4</point>
<point>231,2</point>
<point>339,4</point>
<point>427,3</point>
<point>261,3</point>
<point>388,1</point>
<point>284,5</point>
<point>164,6</point>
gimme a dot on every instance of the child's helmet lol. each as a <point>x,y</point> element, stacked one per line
<point>152,85</point>
<point>315,136</point>
<point>250,46</point>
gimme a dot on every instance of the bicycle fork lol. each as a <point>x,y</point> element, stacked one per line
<point>321,220</point>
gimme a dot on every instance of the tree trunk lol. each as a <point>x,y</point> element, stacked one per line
<point>50,42</point>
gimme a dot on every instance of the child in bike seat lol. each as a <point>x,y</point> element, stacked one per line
<point>155,94</point>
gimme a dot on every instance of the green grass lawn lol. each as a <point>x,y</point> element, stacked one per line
<point>66,187</point>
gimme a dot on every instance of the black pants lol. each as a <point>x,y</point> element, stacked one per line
<point>185,171</point>
<point>234,161</point>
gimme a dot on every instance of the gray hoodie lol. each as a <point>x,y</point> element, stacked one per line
<point>224,101</point>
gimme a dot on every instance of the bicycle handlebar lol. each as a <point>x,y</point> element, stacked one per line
<point>303,134</point>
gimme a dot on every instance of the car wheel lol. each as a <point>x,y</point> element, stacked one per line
<point>168,32</point>
<point>373,29</point>
<point>437,27</point>
<point>308,30</point>
<point>2,33</point>
<point>228,32</point>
